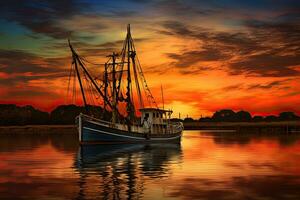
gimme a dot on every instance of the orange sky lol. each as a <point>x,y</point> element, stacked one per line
<point>207,56</point>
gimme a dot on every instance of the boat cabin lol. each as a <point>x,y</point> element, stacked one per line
<point>155,120</point>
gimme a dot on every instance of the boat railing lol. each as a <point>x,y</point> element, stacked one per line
<point>176,127</point>
<point>119,126</point>
<point>97,120</point>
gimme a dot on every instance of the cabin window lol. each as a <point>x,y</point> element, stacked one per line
<point>146,115</point>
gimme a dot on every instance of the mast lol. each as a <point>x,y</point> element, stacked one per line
<point>162,96</point>
<point>128,93</point>
<point>77,58</point>
<point>114,93</point>
<point>80,83</point>
<point>105,88</point>
<point>136,79</point>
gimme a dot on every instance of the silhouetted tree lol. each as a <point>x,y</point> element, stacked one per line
<point>243,116</point>
<point>205,119</point>
<point>176,120</point>
<point>65,114</point>
<point>288,116</point>
<point>8,114</point>
<point>11,114</point>
<point>15,115</point>
<point>271,118</point>
<point>225,115</point>
<point>35,116</point>
<point>257,119</point>
<point>188,119</point>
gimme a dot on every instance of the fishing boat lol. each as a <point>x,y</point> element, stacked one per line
<point>133,115</point>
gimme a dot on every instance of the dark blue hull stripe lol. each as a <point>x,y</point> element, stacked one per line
<point>118,135</point>
<point>96,132</point>
<point>137,138</point>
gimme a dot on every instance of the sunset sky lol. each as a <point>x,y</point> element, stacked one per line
<point>208,55</point>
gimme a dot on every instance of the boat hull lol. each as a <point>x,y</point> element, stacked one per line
<point>93,132</point>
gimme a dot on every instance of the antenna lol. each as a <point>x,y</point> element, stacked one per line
<point>162,96</point>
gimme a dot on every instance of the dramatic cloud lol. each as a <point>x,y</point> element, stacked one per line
<point>267,64</point>
<point>282,53</point>
<point>267,49</point>
<point>25,75</point>
<point>177,8</point>
<point>41,17</point>
<point>17,61</point>
<point>214,54</point>
<point>270,85</point>
<point>190,58</point>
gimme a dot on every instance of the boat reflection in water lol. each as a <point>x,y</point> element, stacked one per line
<point>119,171</point>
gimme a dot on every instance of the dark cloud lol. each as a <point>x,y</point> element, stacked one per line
<point>101,50</point>
<point>24,79</point>
<point>19,68</point>
<point>264,48</point>
<point>268,85</point>
<point>194,70</point>
<point>268,64</point>
<point>182,9</point>
<point>232,42</point>
<point>294,93</point>
<point>280,52</point>
<point>120,13</point>
<point>31,92</point>
<point>17,61</point>
<point>177,28</point>
<point>217,46</point>
<point>233,87</point>
<point>282,32</point>
<point>235,43</point>
<point>190,58</point>
<point>41,16</point>
<point>117,43</point>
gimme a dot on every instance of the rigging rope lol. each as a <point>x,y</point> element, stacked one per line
<point>144,79</point>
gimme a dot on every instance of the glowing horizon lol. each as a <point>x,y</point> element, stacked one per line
<point>208,56</point>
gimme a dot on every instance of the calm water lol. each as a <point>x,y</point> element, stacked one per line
<point>205,166</point>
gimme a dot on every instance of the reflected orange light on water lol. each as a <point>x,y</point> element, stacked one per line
<point>203,163</point>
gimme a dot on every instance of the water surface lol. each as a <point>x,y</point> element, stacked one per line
<point>205,166</point>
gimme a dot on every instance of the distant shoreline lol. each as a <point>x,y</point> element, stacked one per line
<point>38,129</point>
<point>285,123</point>
<point>282,126</point>
<point>261,127</point>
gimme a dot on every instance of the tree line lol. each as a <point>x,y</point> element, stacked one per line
<point>11,114</point>
<point>227,115</point>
